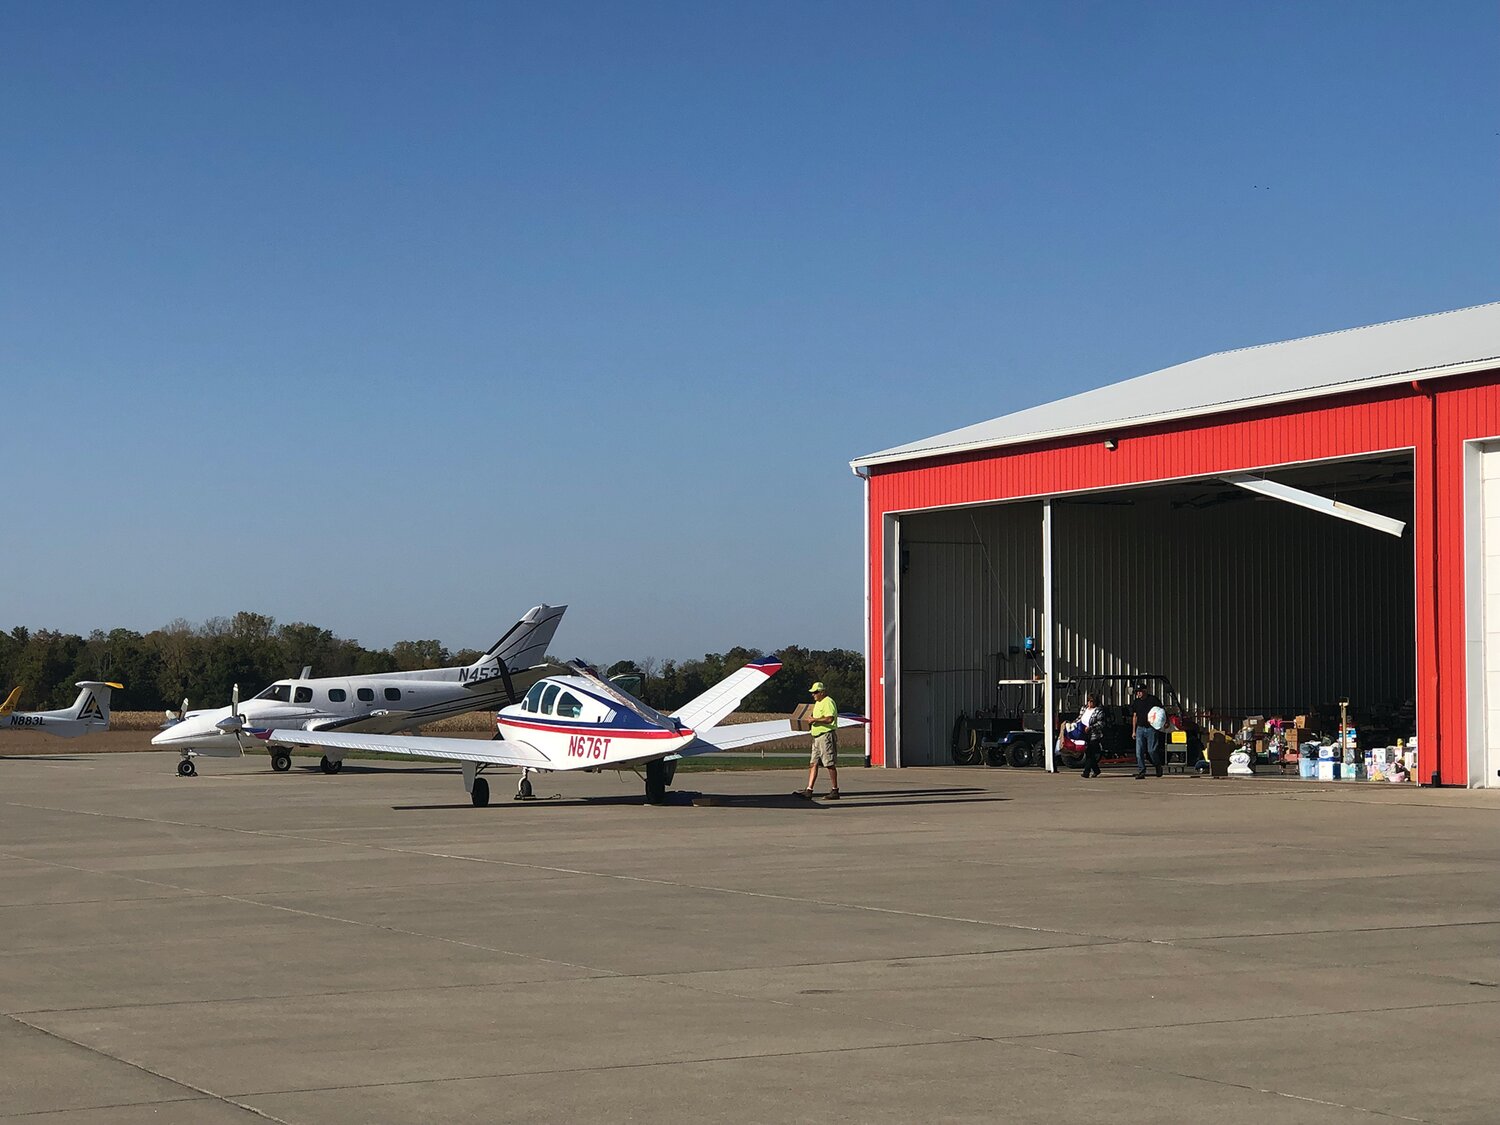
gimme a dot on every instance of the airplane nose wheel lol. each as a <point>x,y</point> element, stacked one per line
<point>281,761</point>
<point>329,766</point>
<point>185,768</point>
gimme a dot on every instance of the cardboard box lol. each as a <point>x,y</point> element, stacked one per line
<point>1328,770</point>
<point>802,717</point>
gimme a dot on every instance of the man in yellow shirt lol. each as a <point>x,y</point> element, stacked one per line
<point>825,742</point>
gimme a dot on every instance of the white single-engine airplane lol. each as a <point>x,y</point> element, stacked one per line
<point>582,721</point>
<point>90,712</point>
<point>386,702</point>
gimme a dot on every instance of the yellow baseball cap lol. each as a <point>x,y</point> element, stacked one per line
<point>817,687</point>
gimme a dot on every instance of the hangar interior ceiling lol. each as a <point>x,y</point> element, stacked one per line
<point>1249,605</point>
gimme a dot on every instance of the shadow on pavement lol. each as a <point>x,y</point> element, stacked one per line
<point>688,798</point>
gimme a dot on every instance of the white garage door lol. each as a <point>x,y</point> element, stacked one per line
<point>1490,572</point>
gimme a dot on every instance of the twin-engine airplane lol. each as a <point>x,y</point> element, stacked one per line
<point>90,712</point>
<point>390,701</point>
<point>585,722</point>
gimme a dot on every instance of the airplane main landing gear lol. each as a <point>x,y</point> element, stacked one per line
<point>523,787</point>
<point>331,765</point>
<point>281,760</point>
<point>185,768</point>
<point>656,782</point>
<point>480,794</point>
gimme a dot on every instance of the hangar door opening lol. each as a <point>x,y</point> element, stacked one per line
<point>1251,606</point>
<point>971,593</point>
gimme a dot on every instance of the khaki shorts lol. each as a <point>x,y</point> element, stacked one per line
<point>825,750</point>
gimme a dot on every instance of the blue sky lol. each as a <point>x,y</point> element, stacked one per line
<point>401,318</point>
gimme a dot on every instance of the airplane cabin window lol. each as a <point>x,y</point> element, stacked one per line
<point>548,697</point>
<point>533,699</point>
<point>337,695</point>
<point>568,707</point>
<point>393,694</point>
<point>304,695</point>
<point>365,694</point>
<point>282,693</point>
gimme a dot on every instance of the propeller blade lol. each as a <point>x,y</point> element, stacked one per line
<point>236,722</point>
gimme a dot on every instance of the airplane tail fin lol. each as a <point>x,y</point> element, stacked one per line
<point>92,704</point>
<point>10,701</point>
<point>719,701</point>
<point>525,643</point>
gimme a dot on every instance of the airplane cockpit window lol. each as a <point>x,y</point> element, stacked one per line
<point>304,695</point>
<point>281,693</point>
<point>533,698</point>
<point>568,707</point>
<point>548,697</point>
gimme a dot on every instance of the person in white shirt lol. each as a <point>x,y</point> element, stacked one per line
<point>1091,719</point>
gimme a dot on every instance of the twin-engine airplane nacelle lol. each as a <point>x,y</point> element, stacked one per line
<point>581,721</point>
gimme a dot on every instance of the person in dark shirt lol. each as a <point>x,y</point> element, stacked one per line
<point>1147,737</point>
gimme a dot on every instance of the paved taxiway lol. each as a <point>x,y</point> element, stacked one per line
<point>943,946</point>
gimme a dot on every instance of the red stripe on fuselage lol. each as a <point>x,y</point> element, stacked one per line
<point>593,728</point>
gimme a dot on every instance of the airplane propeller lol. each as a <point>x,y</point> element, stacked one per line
<point>173,718</point>
<point>234,722</point>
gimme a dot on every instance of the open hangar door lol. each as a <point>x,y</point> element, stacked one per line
<point>970,594</point>
<point>1249,604</point>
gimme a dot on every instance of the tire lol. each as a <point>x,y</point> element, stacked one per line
<point>328,766</point>
<point>964,745</point>
<point>1022,755</point>
<point>480,794</point>
<point>1069,759</point>
<point>281,761</point>
<point>185,768</point>
<point>523,791</point>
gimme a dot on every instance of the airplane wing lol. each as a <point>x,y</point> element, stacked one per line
<point>736,735</point>
<point>377,722</point>
<point>492,752</point>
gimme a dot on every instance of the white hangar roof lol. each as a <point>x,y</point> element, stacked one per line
<point>1447,343</point>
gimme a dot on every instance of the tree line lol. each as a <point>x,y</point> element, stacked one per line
<point>201,662</point>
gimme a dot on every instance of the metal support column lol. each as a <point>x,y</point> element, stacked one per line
<point>1049,636</point>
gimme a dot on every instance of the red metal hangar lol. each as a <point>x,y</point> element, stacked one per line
<point>1269,532</point>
